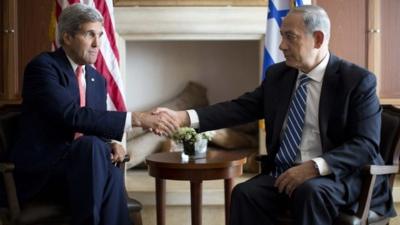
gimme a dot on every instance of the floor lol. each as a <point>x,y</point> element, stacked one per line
<point>141,186</point>
<point>396,220</point>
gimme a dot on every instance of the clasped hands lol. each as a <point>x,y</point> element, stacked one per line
<point>161,121</point>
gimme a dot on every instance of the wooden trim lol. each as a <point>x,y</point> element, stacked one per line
<point>190,2</point>
<point>10,51</point>
<point>374,39</point>
<point>390,101</point>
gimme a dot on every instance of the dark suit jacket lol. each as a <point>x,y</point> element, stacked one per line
<point>51,113</point>
<point>349,120</point>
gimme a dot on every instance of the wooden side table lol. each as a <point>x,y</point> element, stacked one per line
<point>217,165</point>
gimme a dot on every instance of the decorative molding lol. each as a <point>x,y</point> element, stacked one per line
<point>190,2</point>
<point>391,101</point>
<point>190,23</point>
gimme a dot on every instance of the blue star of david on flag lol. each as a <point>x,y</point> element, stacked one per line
<point>277,10</point>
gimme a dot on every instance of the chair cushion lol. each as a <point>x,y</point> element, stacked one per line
<point>43,213</point>
<point>134,205</point>
<point>347,219</point>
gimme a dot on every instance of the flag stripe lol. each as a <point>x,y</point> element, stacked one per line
<point>112,87</point>
<point>276,11</point>
<point>108,26</point>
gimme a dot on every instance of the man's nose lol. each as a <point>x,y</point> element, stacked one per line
<point>96,41</point>
<point>282,45</point>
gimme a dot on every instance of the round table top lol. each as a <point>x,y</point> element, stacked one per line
<point>214,159</point>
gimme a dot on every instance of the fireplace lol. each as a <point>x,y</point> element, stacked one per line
<point>162,48</point>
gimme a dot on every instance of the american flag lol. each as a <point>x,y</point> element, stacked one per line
<point>108,59</point>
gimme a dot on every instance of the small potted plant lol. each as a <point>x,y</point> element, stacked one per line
<point>194,144</point>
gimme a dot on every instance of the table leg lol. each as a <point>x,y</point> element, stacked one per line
<point>160,201</point>
<point>196,201</point>
<point>228,185</point>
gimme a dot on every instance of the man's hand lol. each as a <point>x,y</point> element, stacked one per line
<point>117,153</point>
<point>181,117</point>
<point>160,123</point>
<point>289,180</point>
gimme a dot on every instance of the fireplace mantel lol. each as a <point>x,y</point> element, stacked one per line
<point>190,23</point>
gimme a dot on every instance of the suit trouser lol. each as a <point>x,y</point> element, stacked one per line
<point>92,185</point>
<point>96,191</point>
<point>258,202</point>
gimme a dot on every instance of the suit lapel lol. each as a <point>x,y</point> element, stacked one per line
<point>284,93</point>
<point>90,85</point>
<point>68,72</point>
<point>328,92</point>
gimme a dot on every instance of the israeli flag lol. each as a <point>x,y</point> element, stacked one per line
<point>277,10</point>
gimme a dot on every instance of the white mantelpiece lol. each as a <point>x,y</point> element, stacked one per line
<point>190,23</point>
<point>136,25</point>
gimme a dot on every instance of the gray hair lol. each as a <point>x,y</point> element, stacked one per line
<point>315,19</point>
<point>72,17</point>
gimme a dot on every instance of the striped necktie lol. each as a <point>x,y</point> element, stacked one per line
<point>294,126</point>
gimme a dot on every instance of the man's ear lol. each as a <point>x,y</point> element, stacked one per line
<point>318,38</point>
<point>67,38</point>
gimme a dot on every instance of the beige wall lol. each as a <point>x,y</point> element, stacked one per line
<point>158,70</point>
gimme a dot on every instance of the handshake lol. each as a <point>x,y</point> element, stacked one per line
<point>161,121</point>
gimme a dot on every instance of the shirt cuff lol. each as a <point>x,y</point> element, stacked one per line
<point>323,166</point>
<point>194,118</point>
<point>128,121</point>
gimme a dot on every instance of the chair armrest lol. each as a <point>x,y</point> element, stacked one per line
<point>266,165</point>
<point>6,170</point>
<point>122,164</point>
<point>369,176</point>
<point>6,167</point>
<point>261,158</point>
<point>381,169</point>
<point>126,158</point>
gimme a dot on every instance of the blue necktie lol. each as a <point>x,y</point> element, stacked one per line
<point>294,126</point>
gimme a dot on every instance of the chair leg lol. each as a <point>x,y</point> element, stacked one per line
<point>136,217</point>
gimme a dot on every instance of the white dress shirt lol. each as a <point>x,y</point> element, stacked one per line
<point>310,145</point>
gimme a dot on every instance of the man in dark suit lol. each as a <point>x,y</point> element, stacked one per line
<point>64,149</point>
<point>322,119</point>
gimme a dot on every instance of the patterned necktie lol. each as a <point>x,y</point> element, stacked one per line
<point>82,94</point>
<point>294,126</point>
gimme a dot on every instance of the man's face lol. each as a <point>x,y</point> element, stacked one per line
<point>83,47</point>
<point>297,44</point>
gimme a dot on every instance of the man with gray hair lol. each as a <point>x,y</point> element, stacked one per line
<point>64,149</point>
<point>322,119</point>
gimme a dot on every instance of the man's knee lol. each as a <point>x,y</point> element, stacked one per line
<point>91,147</point>
<point>243,190</point>
<point>238,191</point>
<point>89,140</point>
<point>308,191</point>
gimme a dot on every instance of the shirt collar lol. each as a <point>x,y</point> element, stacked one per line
<point>317,74</point>
<point>74,65</point>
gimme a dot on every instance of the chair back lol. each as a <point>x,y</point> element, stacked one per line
<point>390,136</point>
